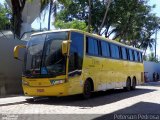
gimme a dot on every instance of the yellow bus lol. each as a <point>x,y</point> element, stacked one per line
<point>69,62</point>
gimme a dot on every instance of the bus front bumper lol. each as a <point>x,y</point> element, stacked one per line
<point>54,90</point>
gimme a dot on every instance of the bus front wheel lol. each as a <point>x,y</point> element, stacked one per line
<point>87,89</point>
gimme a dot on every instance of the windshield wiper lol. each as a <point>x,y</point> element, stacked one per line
<point>58,61</point>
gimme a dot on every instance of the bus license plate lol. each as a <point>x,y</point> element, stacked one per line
<point>40,90</point>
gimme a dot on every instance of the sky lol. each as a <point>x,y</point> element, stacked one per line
<point>44,22</point>
<point>36,23</point>
<point>157,11</point>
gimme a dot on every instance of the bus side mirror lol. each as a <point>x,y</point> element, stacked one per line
<point>64,47</point>
<point>16,51</point>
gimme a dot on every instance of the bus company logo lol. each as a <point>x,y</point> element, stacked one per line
<point>52,82</point>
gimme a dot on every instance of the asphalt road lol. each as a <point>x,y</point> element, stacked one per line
<point>142,103</point>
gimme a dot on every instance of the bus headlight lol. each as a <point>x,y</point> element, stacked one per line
<point>55,82</point>
<point>25,82</point>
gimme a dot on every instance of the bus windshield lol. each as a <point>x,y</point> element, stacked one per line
<point>43,56</point>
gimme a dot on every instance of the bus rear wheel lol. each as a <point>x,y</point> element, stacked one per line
<point>133,84</point>
<point>128,85</point>
<point>87,89</point>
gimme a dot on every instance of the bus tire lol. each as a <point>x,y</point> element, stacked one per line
<point>134,83</point>
<point>87,89</point>
<point>30,100</point>
<point>128,85</point>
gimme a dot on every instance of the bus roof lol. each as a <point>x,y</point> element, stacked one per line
<point>88,34</point>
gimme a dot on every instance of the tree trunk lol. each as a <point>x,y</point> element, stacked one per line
<point>17,8</point>
<point>50,13</point>
<point>105,15</point>
<point>89,17</point>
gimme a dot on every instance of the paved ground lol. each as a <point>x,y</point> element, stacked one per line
<point>144,102</point>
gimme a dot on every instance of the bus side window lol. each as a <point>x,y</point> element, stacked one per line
<point>135,56</point>
<point>127,51</point>
<point>95,47</point>
<point>99,48</point>
<point>114,51</point>
<point>90,46</point>
<point>140,57</point>
<point>124,53</point>
<point>120,52</point>
<point>130,54</point>
<point>105,49</point>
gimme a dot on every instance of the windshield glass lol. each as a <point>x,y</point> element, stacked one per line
<point>44,57</point>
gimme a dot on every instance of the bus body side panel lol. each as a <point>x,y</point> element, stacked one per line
<point>75,85</point>
<point>111,73</point>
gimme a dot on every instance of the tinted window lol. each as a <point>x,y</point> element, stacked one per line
<point>76,51</point>
<point>105,49</point>
<point>95,47</point>
<point>140,57</point>
<point>120,52</point>
<point>131,55</point>
<point>124,53</point>
<point>92,46</point>
<point>135,56</point>
<point>114,51</point>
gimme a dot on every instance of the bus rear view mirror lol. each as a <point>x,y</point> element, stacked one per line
<point>64,47</point>
<point>16,51</point>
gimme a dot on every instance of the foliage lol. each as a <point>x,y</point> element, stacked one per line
<point>150,57</point>
<point>145,58</point>
<point>17,8</point>
<point>75,24</point>
<point>129,21</point>
<point>3,17</point>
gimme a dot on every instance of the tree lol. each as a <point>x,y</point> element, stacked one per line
<point>89,16</point>
<point>17,8</point>
<point>3,17</point>
<point>52,5</point>
<point>49,16</point>
<point>75,24</point>
<point>105,15</point>
<point>152,58</point>
<point>129,21</point>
